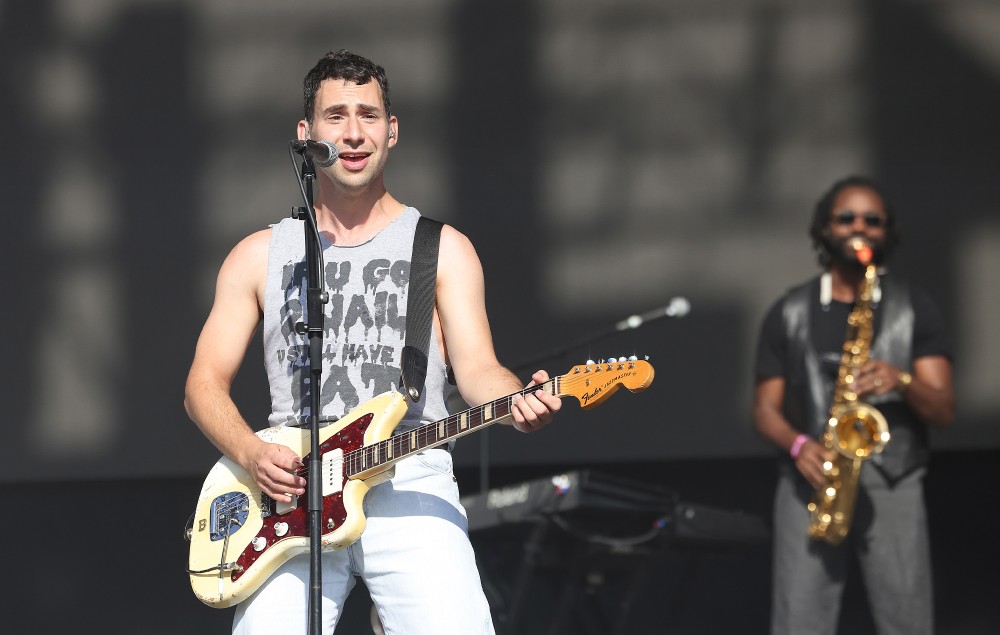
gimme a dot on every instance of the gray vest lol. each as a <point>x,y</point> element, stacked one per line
<point>364,326</point>
<point>809,392</point>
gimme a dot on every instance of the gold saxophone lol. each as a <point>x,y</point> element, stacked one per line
<point>855,430</point>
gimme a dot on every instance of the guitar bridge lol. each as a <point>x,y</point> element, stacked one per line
<point>228,513</point>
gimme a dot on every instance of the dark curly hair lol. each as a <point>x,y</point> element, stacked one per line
<point>347,66</point>
<point>824,207</point>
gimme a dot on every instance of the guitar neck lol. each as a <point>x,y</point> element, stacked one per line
<point>590,384</point>
<point>398,447</point>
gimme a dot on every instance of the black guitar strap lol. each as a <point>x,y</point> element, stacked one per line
<point>420,305</point>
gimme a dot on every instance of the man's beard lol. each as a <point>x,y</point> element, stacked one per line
<point>842,251</point>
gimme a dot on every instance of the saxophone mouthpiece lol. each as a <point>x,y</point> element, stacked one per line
<point>862,250</point>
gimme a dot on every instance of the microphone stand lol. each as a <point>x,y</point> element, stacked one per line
<point>316,297</point>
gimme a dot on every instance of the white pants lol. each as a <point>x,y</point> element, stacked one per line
<point>414,556</point>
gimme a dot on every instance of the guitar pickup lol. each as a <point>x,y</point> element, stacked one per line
<point>332,472</point>
<point>281,507</point>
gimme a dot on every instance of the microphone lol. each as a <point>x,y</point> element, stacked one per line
<point>678,307</point>
<point>322,153</point>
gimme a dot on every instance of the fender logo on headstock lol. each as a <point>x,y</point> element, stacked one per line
<point>586,397</point>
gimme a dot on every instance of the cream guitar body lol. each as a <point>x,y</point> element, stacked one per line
<point>240,536</point>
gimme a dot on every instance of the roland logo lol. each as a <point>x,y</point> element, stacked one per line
<point>507,496</point>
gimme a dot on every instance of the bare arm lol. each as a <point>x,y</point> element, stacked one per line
<point>772,425</point>
<point>930,393</point>
<point>221,348</point>
<point>461,305</point>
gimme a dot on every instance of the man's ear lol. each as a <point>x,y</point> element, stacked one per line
<point>302,130</point>
<point>393,131</point>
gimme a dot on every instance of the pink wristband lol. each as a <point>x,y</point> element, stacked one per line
<point>797,445</point>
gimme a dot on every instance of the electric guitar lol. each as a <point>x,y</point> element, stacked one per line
<point>240,536</point>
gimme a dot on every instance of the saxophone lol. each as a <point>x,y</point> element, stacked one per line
<point>855,430</point>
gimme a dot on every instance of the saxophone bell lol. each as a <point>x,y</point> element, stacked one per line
<point>858,430</point>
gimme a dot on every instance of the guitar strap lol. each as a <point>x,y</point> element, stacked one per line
<point>420,306</point>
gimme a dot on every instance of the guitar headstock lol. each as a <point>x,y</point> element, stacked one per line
<point>592,383</point>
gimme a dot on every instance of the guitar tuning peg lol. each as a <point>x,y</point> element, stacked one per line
<point>632,358</point>
<point>589,362</point>
<point>612,360</point>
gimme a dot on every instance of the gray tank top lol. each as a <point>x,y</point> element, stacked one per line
<point>364,327</point>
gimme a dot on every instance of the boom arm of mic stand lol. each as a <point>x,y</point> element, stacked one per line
<point>484,438</point>
<point>678,307</point>
<point>559,352</point>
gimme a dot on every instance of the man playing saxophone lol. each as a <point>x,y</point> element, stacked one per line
<point>904,373</point>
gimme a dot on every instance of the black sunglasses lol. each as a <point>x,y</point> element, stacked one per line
<point>872,219</point>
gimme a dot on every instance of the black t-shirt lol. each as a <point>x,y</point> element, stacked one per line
<point>828,330</point>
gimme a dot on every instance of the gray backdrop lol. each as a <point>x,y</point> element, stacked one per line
<point>605,157</point>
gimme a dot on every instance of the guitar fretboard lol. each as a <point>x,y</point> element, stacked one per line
<point>429,435</point>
